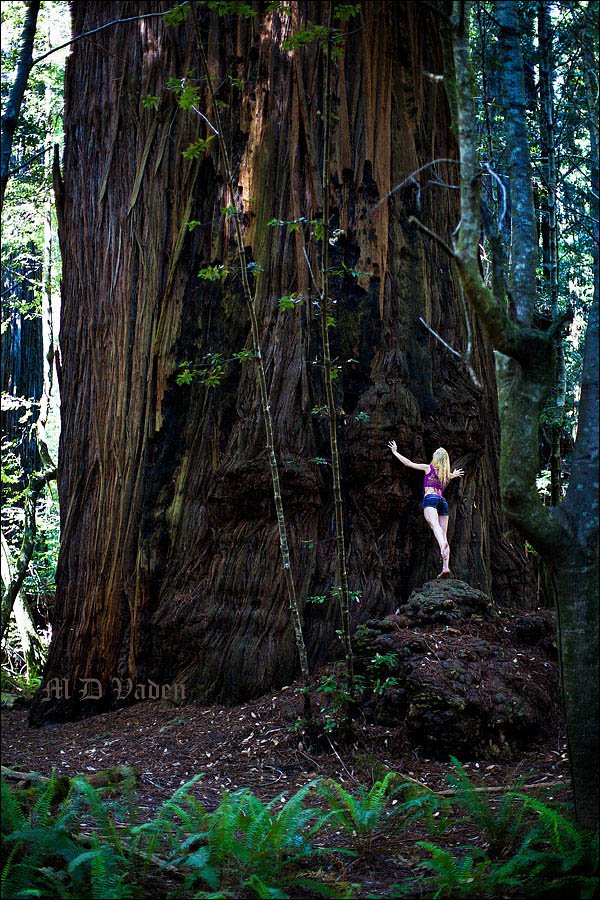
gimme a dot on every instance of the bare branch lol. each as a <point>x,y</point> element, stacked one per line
<point>414,221</point>
<point>31,159</point>
<point>500,184</point>
<point>440,339</point>
<point>411,178</point>
<point>464,358</point>
<point>312,274</point>
<point>80,37</point>
<point>206,119</point>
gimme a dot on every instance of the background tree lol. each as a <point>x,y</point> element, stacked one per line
<point>555,93</point>
<point>12,109</point>
<point>565,536</point>
<point>30,267</point>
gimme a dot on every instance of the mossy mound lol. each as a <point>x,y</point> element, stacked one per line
<point>465,678</point>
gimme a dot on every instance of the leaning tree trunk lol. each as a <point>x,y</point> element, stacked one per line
<point>566,536</point>
<point>169,567</point>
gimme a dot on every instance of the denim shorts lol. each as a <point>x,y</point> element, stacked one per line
<point>438,503</point>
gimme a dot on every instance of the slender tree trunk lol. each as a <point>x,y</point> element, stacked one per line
<point>550,236</point>
<point>10,117</point>
<point>342,591</point>
<point>37,483</point>
<point>33,650</point>
<point>170,558</point>
<point>523,231</point>
<point>21,378</point>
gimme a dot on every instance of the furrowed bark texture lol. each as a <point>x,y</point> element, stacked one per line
<point>170,566</point>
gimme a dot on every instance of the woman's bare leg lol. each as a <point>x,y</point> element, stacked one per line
<point>434,522</point>
<point>443,520</point>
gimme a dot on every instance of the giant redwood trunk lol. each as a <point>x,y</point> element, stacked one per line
<point>169,568</point>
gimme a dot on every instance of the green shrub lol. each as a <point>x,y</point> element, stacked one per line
<point>244,845</point>
<point>530,848</point>
<point>43,854</point>
<point>391,805</point>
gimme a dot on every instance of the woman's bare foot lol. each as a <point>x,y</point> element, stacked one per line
<point>445,573</point>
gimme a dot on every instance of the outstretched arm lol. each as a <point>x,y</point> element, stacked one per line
<point>422,467</point>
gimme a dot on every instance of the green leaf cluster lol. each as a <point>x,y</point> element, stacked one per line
<point>290,301</point>
<point>231,8</point>
<point>321,34</point>
<point>213,369</point>
<point>197,148</point>
<point>186,91</point>
<point>213,273</point>
<point>177,15</point>
<point>151,101</point>
<point>311,34</point>
<point>378,676</point>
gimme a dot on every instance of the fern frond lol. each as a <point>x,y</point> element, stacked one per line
<point>104,822</point>
<point>13,817</point>
<point>472,801</point>
<point>163,830</point>
<point>365,814</point>
<point>427,808</point>
<point>563,835</point>
<point>259,889</point>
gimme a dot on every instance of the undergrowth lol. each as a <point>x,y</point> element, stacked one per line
<point>67,839</point>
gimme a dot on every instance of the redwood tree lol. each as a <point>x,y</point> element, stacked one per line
<point>169,567</point>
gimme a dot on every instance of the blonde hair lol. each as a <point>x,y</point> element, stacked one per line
<point>441,463</point>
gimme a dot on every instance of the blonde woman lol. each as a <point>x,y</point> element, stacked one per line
<point>435,506</point>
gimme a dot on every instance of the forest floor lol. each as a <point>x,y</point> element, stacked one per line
<point>256,746</point>
<point>253,746</point>
<point>487,678</point>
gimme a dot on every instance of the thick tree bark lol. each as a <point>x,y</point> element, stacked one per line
<point>169,566</point>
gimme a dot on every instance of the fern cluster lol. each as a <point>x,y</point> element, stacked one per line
<point>244,846</point>
<point>64,839</point>
<point>389,806</point>
<point>45,855</point>
<point>527,846</point>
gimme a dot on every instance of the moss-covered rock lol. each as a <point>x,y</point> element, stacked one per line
<point>464,677</point>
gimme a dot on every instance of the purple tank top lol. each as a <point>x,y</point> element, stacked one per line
<point>432,481</point>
